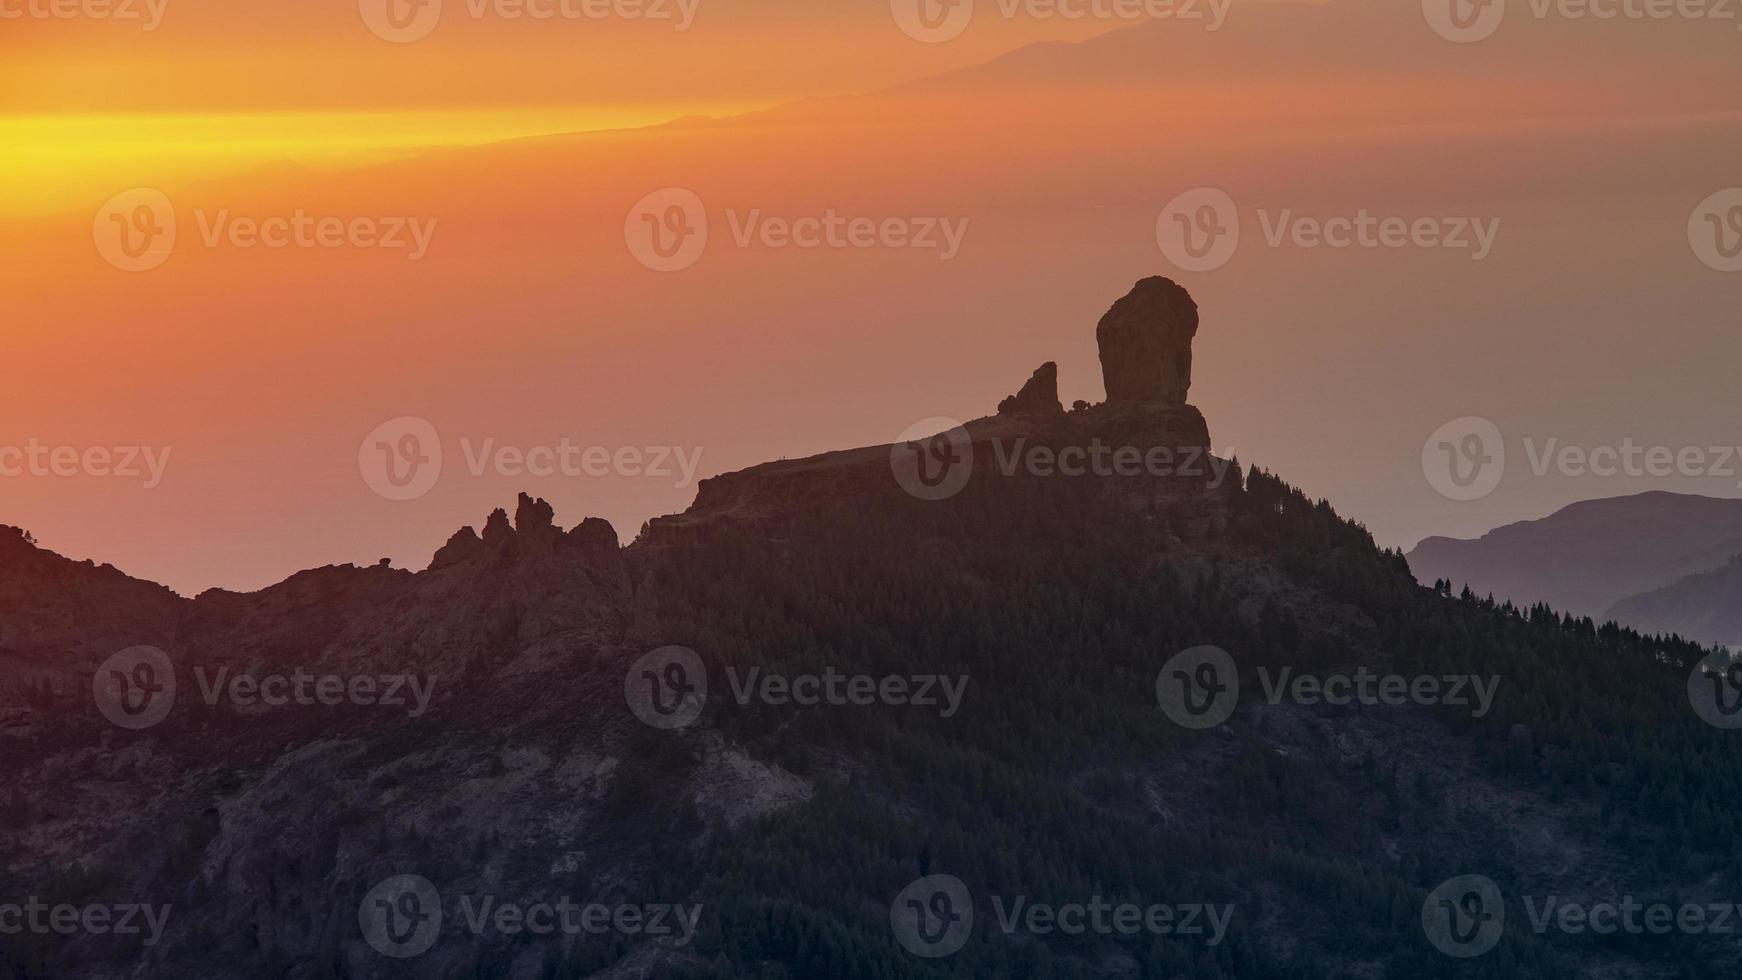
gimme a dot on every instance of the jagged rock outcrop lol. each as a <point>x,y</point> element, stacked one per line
<point>462,547</point>
<point>595,534</point>
<point>533,531</point>
<point>1146,355</point>
<point>533,516</point>
<point>1146,344</point>
<point>499,535</point>
<point>1040,396</point>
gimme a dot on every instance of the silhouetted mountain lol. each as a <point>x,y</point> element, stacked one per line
<point>1706,607</point>
<point>1054,590</point>
<point>1586,557</point>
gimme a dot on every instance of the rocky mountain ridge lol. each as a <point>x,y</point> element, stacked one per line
<point>522,772</point>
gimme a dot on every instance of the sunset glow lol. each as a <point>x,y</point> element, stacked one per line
<point>518,146</point>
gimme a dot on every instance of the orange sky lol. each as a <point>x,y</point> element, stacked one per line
<point>187,86</point>
<point>525,319</point>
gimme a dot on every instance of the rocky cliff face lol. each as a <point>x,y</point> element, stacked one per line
<point>1146,356</point>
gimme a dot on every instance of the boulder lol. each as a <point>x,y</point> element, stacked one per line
<point>1146,344</point>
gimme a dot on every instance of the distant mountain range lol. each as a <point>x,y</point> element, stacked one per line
<point>1701,607</point>
<point>1659,562</point>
